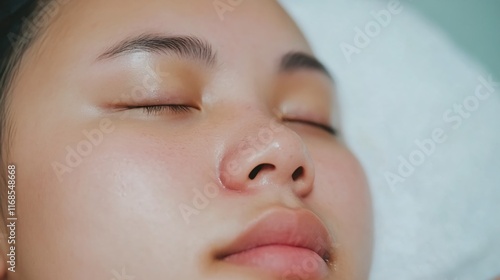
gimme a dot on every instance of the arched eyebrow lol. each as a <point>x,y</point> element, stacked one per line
<point>189,47</point>
<point>300,60</point>
<point>186,47</point>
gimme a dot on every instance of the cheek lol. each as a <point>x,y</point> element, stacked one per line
<point>130,186</point>
<point>343,193</point>
<point>341,183</point>
<point>133,175</point>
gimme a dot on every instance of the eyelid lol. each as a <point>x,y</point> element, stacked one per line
<point>180,108</point>
<point>328,128</point>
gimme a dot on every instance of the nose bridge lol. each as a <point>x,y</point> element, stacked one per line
<point>267,153</point>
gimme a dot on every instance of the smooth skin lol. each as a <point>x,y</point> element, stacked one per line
<point>132,206</point>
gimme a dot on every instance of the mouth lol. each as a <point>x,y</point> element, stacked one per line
<point>287,243</point>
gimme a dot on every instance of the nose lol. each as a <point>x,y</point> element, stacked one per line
<point>267,155</point>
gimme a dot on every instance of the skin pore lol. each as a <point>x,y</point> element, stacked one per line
<point>110,173</point>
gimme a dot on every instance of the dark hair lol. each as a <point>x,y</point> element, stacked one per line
<point>15,39</point>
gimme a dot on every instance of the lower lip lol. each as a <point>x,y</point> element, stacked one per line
<point>286,262</point>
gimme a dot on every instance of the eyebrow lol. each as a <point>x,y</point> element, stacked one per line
<point>198,49</point>
<point>183,46</point>
<point>299,60</point>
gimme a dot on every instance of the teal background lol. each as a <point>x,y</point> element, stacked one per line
<point>473,24</point>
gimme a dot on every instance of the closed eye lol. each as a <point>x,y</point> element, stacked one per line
<point>324,127</point>
<point>155,110</point>
<point>160,109</point>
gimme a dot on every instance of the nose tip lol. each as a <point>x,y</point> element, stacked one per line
<point>281,160</point>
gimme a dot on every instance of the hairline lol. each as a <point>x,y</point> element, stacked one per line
<point>11,66</point>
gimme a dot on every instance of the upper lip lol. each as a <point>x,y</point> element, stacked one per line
<point>296,228</point>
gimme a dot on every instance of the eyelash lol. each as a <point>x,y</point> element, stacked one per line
<point>158,109</point>
<point>327,128</point>
<point>179,109</point>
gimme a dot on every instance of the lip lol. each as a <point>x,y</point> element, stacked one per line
<point>281,241</point>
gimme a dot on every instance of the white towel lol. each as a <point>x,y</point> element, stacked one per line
<point>440,219</point>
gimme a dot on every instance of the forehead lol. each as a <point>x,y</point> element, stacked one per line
<point>246,29</point>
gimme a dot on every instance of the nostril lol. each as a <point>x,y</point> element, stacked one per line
<point>298,173</point>
<point>258,168</point>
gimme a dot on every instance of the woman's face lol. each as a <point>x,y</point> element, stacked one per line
<point>243,181</point>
